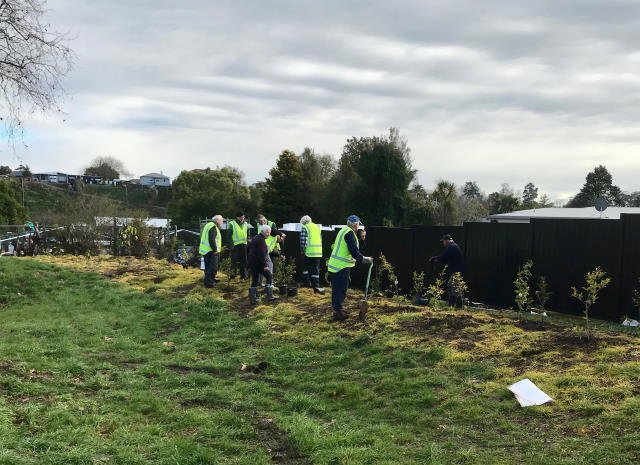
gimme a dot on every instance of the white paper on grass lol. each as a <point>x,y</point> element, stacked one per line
<point>628,322</point>
<point>528,394</point>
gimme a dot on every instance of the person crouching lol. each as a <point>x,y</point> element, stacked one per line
<point>260,264</point>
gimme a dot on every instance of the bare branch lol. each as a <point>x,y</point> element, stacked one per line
<point>33,62</point>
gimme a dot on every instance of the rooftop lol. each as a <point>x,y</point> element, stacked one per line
<point>611,213</point>
<point>154,175</point>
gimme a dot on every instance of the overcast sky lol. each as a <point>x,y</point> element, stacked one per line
<point>493,91</point>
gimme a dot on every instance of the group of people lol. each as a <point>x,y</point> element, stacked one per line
<point>256,255</point>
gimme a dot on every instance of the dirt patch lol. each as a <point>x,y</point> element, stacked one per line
<point>183,290</point>
<point>168,330</point>
<point>278,444</point>
<point>530,325</point>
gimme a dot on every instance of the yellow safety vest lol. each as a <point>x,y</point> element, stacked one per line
<point>272,243</point>
<point>205,247</point>
<point>314,240</point>
<point>239,232</point>
<point>340,256</point>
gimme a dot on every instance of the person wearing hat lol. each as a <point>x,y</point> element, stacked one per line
<point>210,246</point>
<point>453,258</point>
<point>344,255</point>
<point>239,232</point>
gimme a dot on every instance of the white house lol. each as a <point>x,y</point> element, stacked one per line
<point>525,216</point>
<point>155,179</point>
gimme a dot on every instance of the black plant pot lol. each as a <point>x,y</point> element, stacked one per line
<point>283,290</point>
<point>292,291</point>
<point>419,300</point>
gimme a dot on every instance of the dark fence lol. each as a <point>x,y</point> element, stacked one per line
<point>562,251</point>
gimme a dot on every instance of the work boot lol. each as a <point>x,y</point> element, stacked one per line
<point>315,282</point>
<point>270,296</point>
<point>338,315</point>
<point>253,295</point>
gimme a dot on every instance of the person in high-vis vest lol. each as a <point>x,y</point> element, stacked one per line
<point>210,247</point>
<point>311,249</point>
<point>344,255</point>
<point>274,241</point>
<point>239,237</point>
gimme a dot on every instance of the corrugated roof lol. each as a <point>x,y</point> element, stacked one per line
<point>611,213</point>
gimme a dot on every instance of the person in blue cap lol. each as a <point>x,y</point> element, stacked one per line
<point>345,254</point>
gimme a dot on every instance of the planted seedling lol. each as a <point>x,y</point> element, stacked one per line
<point>522,289</point>
<point>435,291</point>
<point>459,287</point>
<point>543,294</point>
<point>596,280</point>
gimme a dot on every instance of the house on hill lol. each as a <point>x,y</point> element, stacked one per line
<point>155,179</point>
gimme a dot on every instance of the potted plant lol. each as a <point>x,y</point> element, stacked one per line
<point>280,276</point>
<point>289,268</point>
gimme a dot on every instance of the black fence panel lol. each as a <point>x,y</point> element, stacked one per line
<point>630,264</point>
<point>426,244</point>
<point>397,246</point>
<point>564,251</point>
<point>494,252</point>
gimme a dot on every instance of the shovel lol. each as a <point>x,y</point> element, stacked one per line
<point>364,305</point>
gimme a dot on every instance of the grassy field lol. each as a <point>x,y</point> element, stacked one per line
<point>123,361</point>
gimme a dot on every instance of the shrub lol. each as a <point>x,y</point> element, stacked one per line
<point>522,289</point>
<point>135,239</point>
<point>285,270</point>
<point>596,280</point>
<point>387,276</point>
<point>543,294</point>
<point>459,287</point>
<point>435,291</point>
<point>418,283</point>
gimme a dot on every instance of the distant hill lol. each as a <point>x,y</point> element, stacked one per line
<point>45,201</point>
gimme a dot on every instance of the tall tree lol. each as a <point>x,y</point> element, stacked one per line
<point>373,177</point>
<point>284,199</point>
<point>317,171</point>
<point>11,210</point>
<point>418,207</point>
<point>4,170</point>
<point>107,167</point>
<point>599,183</point>
<point>503,201</point>
<point>445,203</point>
<point>200,194</point>
<point>529,196</point>
<point>33,61</point>
<point>471,190</point>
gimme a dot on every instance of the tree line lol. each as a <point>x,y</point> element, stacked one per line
<point>374,177</point>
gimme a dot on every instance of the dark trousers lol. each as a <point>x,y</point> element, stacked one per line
<point>211,261</point>
<point>239,260</point>
<point>339,286</point>
<point>311,273</point>
<point>255,276</point>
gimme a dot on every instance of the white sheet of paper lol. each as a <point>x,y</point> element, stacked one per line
<point>528,394</point>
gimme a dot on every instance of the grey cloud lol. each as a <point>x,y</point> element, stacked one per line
<point>559,77</point>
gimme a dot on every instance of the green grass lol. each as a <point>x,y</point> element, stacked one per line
<point>100,372</point>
